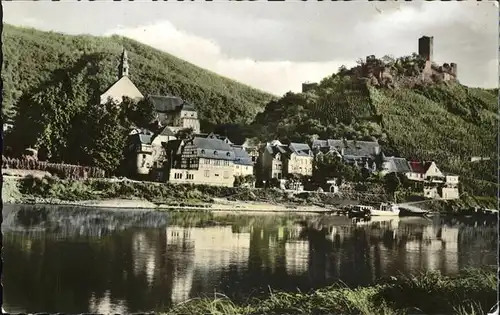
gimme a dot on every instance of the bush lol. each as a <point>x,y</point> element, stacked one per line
<point>57,169</point>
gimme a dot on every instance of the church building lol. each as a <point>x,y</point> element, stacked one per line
<point>124,86</point>
<point>146,147</point>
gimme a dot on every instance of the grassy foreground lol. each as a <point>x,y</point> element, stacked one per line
<point>474,291</point>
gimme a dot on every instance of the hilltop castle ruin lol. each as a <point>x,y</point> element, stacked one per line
<point>379,73</point>
<point>446,72</point>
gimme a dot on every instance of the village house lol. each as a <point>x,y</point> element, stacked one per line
<point>436,184</point>
<point>394,164</point>
<point>175,113</point>
<point>279,160</point>
<point>424,171</point>
<point>243,165</point>
<point>146,154</point>
<point>139,152</point>
<point>271,160</point>
<point>146,151</point>
<point>450,190</point>
<point>299,160</point>
<point>358,153</point>
<point>201,160</point>
<point>252,150</point>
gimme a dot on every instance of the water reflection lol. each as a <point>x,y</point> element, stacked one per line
<point>131,263</point>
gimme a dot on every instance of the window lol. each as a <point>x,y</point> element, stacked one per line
<point>207,173</point>
<point>144,156</point>
<point>216,175</point>
<point>202,151</point>
<point>178,175</point>
<point>237,166</point>
<point>246,168</point>
<point>215,153</point>
<point>228,153</point>
<point>190,176</point>
<point>226,174</point>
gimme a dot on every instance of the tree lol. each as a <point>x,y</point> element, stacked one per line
<point>184,134</point>
<point>273,182</point>
<point>141,113</point>
<point>238,181</point>
<point>250,179</point>
<point>107,136</point>
<point>365,173</point>
<point>328,166</point>
<point>392,184</point>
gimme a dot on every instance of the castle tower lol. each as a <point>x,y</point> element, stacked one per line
<point>425,47</point>
<point>453,69</point>
<point>123,71</point>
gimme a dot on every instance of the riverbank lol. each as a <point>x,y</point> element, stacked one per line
<point>123,193</point>
<point>471,292</point>
<point>115,193</point>
<point>222,206</point>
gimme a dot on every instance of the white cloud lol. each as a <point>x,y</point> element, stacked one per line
<point>276,77</point>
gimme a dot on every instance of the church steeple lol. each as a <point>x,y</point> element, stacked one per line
<point>124,64</point>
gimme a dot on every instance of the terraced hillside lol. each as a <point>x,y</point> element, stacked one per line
<point>445,122</point>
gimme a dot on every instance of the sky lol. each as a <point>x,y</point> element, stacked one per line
<point>276,47</point>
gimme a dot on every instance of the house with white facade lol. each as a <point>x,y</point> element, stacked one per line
<point>436,184</point>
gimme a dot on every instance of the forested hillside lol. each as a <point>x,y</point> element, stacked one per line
<point>37,62</point>
<point>446,122</point>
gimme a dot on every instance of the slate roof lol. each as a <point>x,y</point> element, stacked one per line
<point>213,148</point>
<point>353,148</point>
<point>213,136</point>
<point>400,165</point>
<point>241,156</point>
<point>142,138</point>
<point>167,132</point>
<point>273,150</point>
<point>323,143</point>
<point>301,149</point>
<point>165,104</point>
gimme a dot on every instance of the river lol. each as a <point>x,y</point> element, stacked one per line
<point>75,260</point>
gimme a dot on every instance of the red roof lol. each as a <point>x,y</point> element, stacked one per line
<point>419,167</point>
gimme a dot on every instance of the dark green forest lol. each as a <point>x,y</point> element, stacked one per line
<point>37,62</point>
